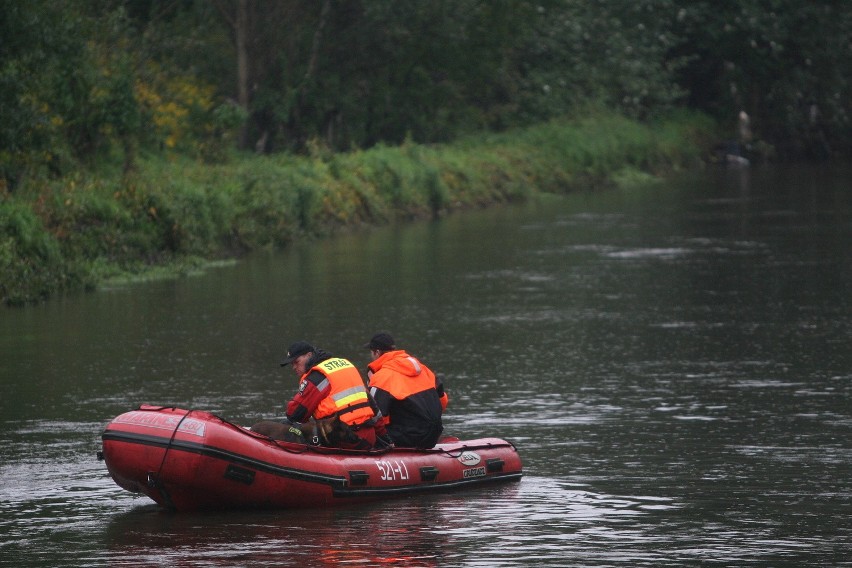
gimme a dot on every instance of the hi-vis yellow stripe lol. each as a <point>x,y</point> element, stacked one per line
<point>348,399</point>
<point>332,365</point>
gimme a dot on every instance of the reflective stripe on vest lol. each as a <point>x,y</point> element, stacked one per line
<point>350,396</point>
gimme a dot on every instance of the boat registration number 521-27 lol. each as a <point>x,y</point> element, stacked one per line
<point>391,470</point>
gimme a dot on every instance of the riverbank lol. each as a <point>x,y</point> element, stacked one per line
<point>174,215</point>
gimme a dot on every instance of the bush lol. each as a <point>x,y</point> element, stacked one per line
<point>30,258</point>
<point>69,233</point>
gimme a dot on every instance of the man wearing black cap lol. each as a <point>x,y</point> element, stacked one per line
<point>331,390</point>
<point>409,396</point>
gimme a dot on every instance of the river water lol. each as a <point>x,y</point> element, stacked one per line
<point>672,362</point>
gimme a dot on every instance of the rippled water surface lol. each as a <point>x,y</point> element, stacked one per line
<point>674,364</point>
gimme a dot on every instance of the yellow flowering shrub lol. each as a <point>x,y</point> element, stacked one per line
<point>178,108</point>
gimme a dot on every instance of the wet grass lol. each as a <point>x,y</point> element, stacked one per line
<point>172,216</point>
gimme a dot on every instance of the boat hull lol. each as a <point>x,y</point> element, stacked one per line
<point>191,460</point>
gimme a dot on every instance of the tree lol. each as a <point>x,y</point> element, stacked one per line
<point>39,45</point>
<point>787,64</point>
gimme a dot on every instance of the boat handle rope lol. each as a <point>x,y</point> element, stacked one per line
<point>154,481</point>
<point>463,449</point>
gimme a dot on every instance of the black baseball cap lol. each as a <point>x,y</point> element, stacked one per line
<point>297,350</point>
<point>381,341</point>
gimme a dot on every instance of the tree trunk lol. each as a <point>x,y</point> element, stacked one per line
<point>242,32</point>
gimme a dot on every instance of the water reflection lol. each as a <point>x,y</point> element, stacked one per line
<point>672,363</point>
<point>370,535</point>
<point>491,528</point>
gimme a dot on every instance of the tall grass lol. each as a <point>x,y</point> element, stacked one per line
<point>72,233</point>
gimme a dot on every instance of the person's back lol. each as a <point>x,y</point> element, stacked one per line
<point>406,393</point>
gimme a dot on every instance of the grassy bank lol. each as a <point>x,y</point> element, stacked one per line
<point>76,232</point>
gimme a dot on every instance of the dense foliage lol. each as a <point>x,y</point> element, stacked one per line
<point>74,232</point>
<point>84,80</point>
<point>128,127</point>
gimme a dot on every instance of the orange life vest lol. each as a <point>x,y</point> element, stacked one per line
<point>348,397</point>
<point>402,375</point>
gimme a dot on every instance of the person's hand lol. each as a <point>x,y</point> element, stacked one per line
<point>383,441</point>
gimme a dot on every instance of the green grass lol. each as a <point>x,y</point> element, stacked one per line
<point>171,217</point>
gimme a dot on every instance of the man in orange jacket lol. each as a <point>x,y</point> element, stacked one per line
<point>332,391</point>
<point>409,395</point>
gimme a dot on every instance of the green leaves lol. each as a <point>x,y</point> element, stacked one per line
<point>93,82</point>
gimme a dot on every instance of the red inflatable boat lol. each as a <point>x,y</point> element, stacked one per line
<point>190,459</point>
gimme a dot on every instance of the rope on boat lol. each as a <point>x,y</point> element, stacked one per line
<point>154,480</point>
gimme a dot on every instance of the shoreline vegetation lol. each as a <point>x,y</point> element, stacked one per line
<point>147,138</point>
<point>168,217</point>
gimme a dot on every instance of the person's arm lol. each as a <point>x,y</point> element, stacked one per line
<point>442,395</point>
<point>312,391</point>
<point>383,401</point>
